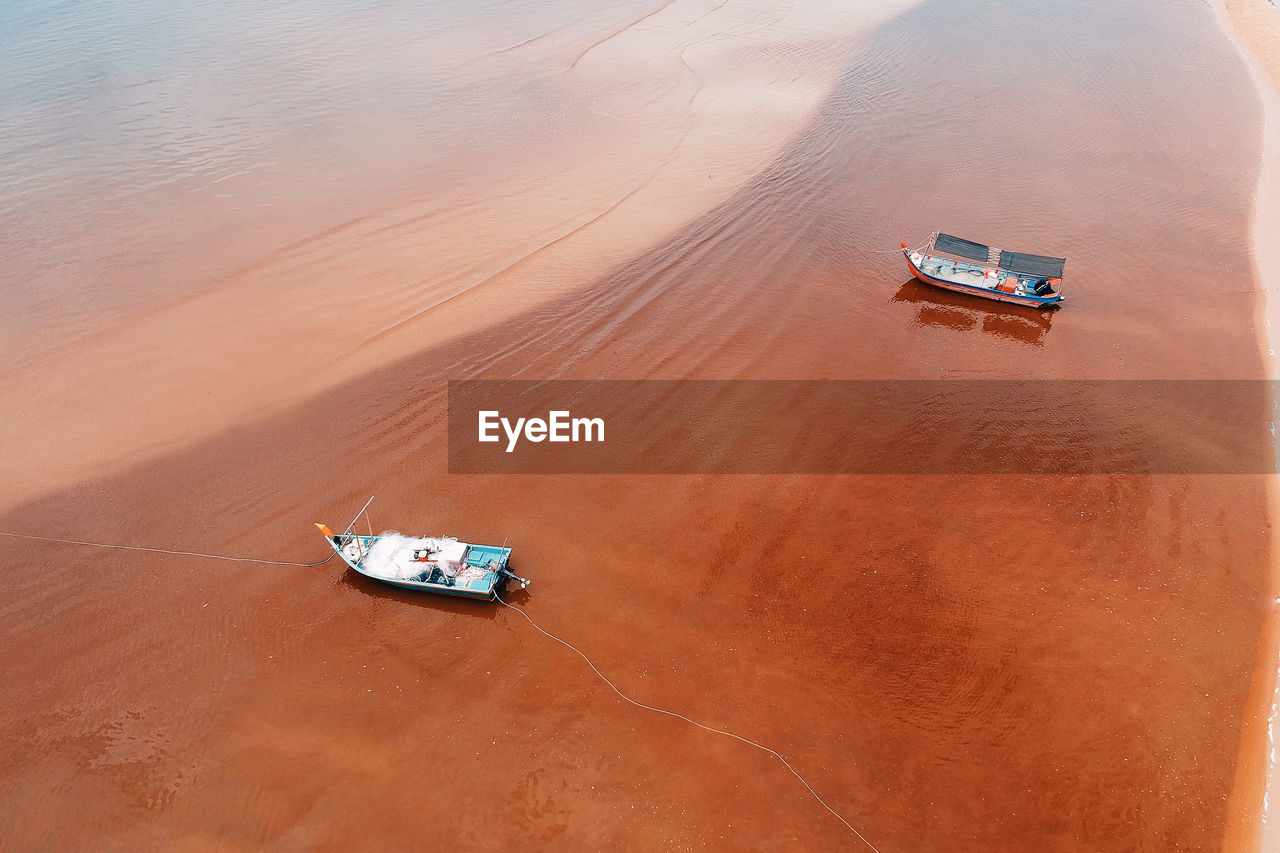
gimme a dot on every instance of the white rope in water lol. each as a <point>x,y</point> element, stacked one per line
<point>528,619</point>
<point>167,551</point>
<point>713,729</point>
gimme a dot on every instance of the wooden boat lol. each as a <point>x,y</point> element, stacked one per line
<point>440,565</point>
<point>967,267</point>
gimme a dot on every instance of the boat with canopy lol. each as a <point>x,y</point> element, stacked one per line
<point>964,266</point>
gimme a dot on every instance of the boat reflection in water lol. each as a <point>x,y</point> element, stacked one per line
<point>956,311</point>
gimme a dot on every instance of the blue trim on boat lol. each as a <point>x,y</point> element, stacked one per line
<point>992,293</point>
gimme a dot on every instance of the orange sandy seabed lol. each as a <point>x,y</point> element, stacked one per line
<point>956,663</point>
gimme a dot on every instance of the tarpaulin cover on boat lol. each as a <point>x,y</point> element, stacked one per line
<point>963,248</point>
<point>1041,265</point>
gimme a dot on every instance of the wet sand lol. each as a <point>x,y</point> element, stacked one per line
<point>964,663</point>
<point>1256,26</point>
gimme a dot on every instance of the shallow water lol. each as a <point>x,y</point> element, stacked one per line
<point>139,133</point>
<point>978,662</point>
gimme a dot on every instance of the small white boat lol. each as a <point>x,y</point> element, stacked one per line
<point>441,564</point>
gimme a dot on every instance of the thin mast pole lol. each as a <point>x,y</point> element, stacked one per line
<point>359,544</point>
<point>358,514</point>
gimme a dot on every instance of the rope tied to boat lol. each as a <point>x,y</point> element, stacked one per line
<point>168,551</point>
<point>504,603</point>
<point>693,722</point>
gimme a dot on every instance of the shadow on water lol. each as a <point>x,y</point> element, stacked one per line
<point>510,592</point>
<point>962,313</point>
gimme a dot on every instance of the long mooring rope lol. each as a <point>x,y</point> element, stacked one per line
<point>168,551</point>
<point>680,716</point>
<point>528,619</point>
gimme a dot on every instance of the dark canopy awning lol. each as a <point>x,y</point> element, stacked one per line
<point>1015,262</point>
<point>963,248</point>
<point>1038,265</point>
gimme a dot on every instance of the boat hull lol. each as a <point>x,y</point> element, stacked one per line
<point>486,593</point>
<point>981,292</point>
